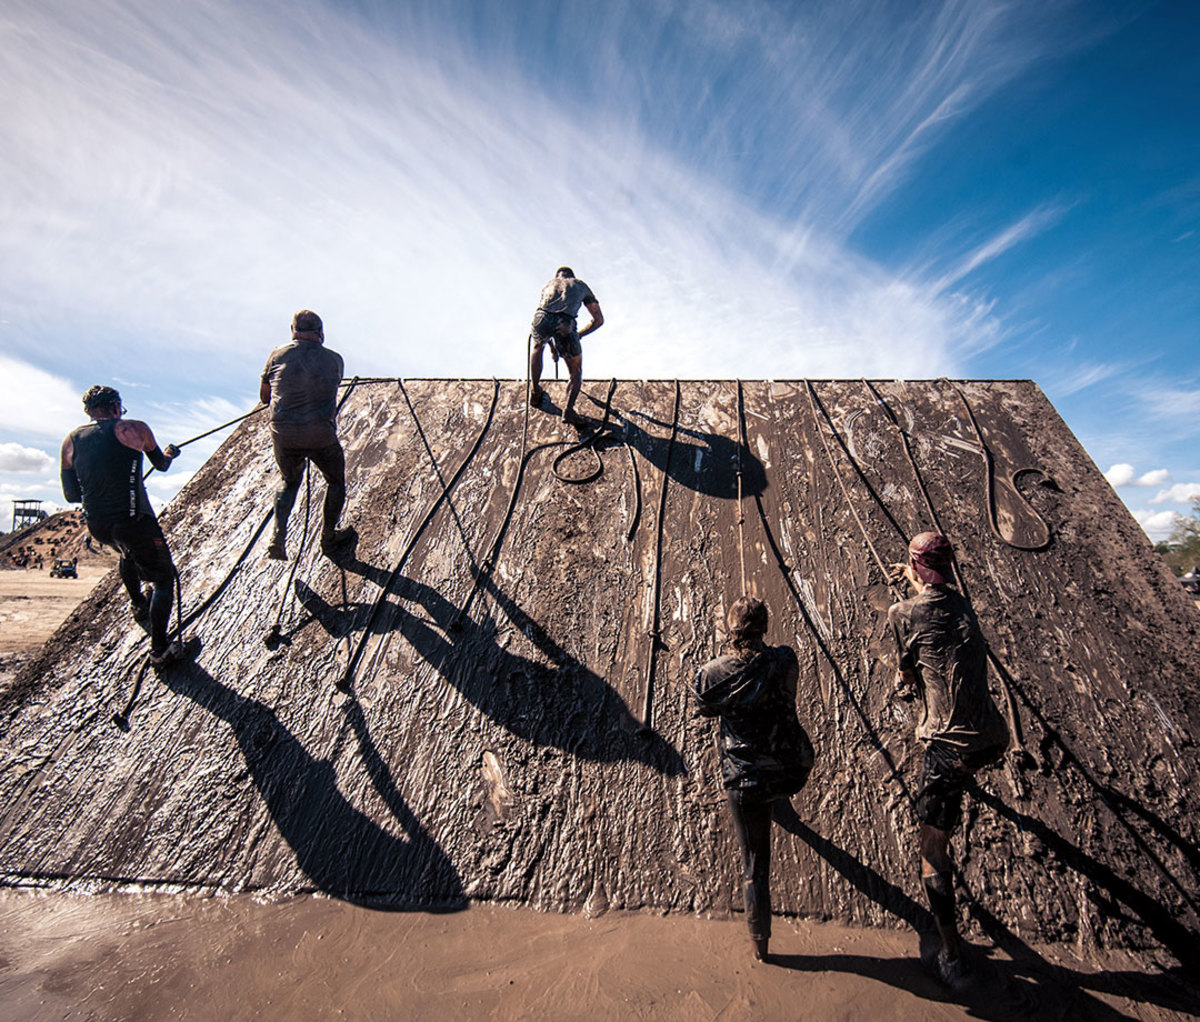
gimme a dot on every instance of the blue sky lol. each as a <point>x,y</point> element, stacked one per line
<point>759,189</point>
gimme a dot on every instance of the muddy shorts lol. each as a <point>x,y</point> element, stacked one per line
<point>139,540</point>
<point>557,329</point>
<point>944,778</point>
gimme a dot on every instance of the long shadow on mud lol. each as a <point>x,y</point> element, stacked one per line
<point>1026,986</point>
<point>341,850</point>
<point>1110,885</point>
<point>704,462</point>
<point>561,703</point>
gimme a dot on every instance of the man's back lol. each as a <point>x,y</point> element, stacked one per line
<point>109,473</point>
<point>565,296</point>
<point>304,378</point>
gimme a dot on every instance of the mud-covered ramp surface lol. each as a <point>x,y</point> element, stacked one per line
<point>492,745</point>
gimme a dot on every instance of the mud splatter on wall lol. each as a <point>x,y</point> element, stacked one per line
<point>515,612</point>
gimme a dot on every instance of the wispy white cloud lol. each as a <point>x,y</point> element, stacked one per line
<point>1170,401</point>
<point>177,181</point>
<point>15,458</point>
<point>1157,524</point>
<point>1180,493</point>
<point>1120,475</point>
<point>1062,381</point>
<point>1028,226</point>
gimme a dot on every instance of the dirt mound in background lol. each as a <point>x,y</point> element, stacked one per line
<point>62,536</point>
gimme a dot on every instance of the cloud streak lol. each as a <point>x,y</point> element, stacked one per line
<point>1180,493</point>
<point>187,178</point>
<point>15,458</point>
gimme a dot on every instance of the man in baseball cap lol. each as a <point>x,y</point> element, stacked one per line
<point>943,662</point>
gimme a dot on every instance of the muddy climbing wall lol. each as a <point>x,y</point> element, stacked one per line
<point>509,626</point>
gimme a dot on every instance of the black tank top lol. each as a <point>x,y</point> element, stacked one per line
<point>110,474</point>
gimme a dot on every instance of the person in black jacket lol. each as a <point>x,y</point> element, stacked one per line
<point>101,465</point>
<point>765,753</point>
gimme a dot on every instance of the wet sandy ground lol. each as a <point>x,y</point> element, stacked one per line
<point>157,956</point>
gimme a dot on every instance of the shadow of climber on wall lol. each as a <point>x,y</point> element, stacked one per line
<point>562,704</point>
<point>344,852</point>
<point>704,462</point>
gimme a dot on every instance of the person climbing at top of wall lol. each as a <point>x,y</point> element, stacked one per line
<point>300,383</point>
<point>766,755</point>
<point>554,323</point>
<point>943,662</point>
<point>101,465</point>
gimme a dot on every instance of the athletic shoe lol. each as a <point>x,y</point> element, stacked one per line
<point>335,542</point>
<point>761,953</point>
<point>140,609</point>
<point>171,655</point>
<point>277,551</point>
<point>535,396</point>
<point>953,972</point>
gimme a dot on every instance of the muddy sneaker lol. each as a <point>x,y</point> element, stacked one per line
<point>171,655</point>
<point>336,542</point>
<point>277,551</point>
<point>952,972</point>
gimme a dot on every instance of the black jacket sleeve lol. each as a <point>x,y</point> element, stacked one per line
<point>70,486</point>
<point>159,460</point>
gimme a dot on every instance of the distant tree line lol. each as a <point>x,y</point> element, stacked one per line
<point>1181,549</point>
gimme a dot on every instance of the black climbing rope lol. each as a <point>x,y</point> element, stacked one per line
<point>786,571</point>
<point>489,562</point>
<point>210,432</point>
<point>588,443</point>
<point>655,642</point>
<point>347,677</point>
<point>815,403</point>
<point>990,474</point>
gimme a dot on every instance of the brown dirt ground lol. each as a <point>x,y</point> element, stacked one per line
<point>153,956</point>
<point>33,605</point>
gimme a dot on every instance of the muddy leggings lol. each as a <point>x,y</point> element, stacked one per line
<point>330,462</point>
<point>144,558</point>
<point>752,820</point>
